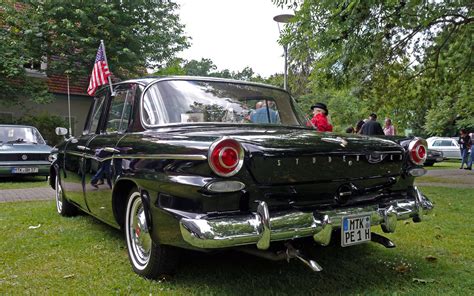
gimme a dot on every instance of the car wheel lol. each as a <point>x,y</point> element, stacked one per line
<point>148,258</point>
<point>64,207</point>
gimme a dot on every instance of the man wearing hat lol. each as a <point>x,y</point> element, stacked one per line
<point>320,119</point>
<point>372,127</point>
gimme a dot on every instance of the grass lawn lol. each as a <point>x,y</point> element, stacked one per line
<point>22,182</point>
<point>444,180</point>
<point>446,164</point>
<point>83,256</point>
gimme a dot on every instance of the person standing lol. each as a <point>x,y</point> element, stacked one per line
<point>320,117</point>
<point>358,127</point>
<point>469,164</point>
<point>372,127</point>
<point>389,129</point>
<point>465,144</point>
<point>265,113</point>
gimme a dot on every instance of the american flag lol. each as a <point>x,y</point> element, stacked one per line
<point>100,73</point>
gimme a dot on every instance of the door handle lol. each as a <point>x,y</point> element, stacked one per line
<point>83,148</point>
<point>111,150</point>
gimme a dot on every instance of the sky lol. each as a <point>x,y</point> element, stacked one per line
<point>233,34</point>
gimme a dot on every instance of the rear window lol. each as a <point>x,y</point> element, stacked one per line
<point>185,101</point>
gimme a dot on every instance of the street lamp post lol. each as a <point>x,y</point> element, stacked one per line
<point>284,18</point>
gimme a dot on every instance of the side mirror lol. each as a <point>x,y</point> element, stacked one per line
<point>61,131</point>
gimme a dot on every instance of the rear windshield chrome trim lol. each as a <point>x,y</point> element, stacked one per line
<point>193,78</point>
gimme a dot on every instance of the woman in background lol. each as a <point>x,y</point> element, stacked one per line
<point>389,129</point>
<point>320,119</point>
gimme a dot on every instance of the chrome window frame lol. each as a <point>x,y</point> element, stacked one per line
<point>209,79</point>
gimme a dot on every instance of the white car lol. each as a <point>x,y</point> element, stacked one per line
<point>448,146</point>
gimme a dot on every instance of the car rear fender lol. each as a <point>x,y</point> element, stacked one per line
<point>120,195</point>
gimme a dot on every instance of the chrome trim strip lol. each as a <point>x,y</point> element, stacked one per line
<point>80,154</point>
<point>194,78</point>
<point>25,163</point>
<point>164,156</point>
<point>149,156</point>
<point>261,228</point>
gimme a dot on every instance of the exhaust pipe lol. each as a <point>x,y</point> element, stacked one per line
<point>290,253</point>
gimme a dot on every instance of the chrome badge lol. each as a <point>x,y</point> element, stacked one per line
<point>337,140</point>
<point>24,157</point>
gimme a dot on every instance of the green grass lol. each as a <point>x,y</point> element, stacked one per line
<point>22,182</point>
<point>83,256</point>
<point>444,180</point>
<point>446,164</point>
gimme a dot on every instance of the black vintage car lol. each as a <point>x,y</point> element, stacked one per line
<point>433,157</point>
<point>208,164</point>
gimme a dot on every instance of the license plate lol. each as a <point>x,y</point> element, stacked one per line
<point>24,170</point>
<point>355,230</point>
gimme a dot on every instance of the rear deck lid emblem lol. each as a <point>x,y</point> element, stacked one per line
<point>337,140</point>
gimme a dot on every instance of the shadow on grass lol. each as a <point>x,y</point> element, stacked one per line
<point>358,269</point>
<point>361,269</point>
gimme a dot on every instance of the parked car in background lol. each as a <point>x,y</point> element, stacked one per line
<point>433,157</point>
<point>211,164</point>
<point>448,146</point>
<point>23,151</point>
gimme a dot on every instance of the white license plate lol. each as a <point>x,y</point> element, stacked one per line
<point>355,230</point>
<point>24,170</point>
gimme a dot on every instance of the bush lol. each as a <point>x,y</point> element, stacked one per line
<point>46,124</point>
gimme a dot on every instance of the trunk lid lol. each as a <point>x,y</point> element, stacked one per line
<point>284,155</point>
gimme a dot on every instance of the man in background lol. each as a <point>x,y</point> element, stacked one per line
<point>372,127</point>
<point>264,113</point>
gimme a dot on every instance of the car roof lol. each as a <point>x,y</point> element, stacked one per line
<point>16,125</point>
<point>440,138</point>
<point>151,79</point>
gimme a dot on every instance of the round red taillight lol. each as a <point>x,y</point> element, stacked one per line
<point>226,157</point>
<point>417,151</point>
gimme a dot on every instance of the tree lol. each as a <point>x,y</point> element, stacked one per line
<point>138,35</point>
<point>206,68</point>
<point>403,56</point>
<point>18,47</point>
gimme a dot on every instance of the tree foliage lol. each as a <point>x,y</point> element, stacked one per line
<point>409,60</point>
<point>18,47</point>
<point>206,68</point>
<point>137,34</point>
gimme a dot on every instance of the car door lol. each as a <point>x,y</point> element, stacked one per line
<point>452,150</point>
<point>73,177</point>
<point>99,156</point>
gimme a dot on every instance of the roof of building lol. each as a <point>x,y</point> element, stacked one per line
<point>58,84</point>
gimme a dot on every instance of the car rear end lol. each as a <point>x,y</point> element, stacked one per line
<point>339,187</point>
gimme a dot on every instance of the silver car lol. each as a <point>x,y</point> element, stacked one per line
<point>23,151</point>
<point>448,146</point>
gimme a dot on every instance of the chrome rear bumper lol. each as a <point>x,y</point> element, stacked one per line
<point>260,228</point>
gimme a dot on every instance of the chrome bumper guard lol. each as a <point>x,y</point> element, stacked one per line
<point>261,229</point>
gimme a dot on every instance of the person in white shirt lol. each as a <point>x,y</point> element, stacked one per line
<point>389,129</point>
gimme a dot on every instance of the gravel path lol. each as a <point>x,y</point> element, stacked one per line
<point>42,193</point>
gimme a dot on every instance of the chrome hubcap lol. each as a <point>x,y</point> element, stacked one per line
<point>139,238</point>
<point>59,196</point>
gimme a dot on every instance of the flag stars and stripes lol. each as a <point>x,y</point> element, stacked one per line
<point>100,72</point>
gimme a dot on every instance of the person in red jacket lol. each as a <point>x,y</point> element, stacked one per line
<point>320,119</point>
